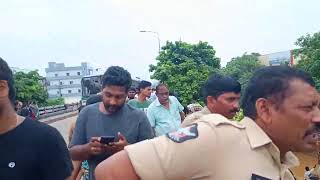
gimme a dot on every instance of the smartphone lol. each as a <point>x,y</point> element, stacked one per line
<point>106,139</point>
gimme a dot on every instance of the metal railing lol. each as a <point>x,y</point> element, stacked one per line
<point>56,110</point>
<point>51,109</point>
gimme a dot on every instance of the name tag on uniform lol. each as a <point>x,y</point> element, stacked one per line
<point>257,177</point>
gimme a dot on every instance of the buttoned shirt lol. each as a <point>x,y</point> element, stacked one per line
<point>165,120</point>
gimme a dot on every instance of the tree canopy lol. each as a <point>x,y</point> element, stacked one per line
<point>309,54</point>
<point>29,87</point>
<point>242,68</point>
<point>184,67</point>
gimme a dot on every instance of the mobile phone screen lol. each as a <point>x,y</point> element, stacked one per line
<point>106,139</point>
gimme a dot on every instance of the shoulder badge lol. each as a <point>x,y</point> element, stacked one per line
<point>257,177</point>
<point>184,134</point>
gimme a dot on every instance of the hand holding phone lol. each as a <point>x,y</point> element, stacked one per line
<point>107,139</point>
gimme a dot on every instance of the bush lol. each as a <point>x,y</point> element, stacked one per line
<point>54,102</point>
<point>239,116</point>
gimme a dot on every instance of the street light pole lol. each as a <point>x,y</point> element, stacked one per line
<point>158,37</point>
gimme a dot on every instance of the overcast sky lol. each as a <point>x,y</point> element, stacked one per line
<point>106,32</point>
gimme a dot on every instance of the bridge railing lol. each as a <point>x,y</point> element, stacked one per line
<point>56,110</point>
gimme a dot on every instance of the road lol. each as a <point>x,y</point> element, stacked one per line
<point>63,126</point>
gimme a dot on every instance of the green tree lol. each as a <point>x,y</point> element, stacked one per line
<point>29,87</point>
<point>56,101</point>
<point>184,67</point>
<point>309,52</point>
<point>242,68</point>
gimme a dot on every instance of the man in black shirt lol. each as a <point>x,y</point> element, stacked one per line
<point>29,150</point>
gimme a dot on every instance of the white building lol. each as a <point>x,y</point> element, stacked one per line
<point>279,58</point>
<point>66,81</point>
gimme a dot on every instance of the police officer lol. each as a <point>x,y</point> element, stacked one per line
<point>281,109</point>
<point>221,95</point>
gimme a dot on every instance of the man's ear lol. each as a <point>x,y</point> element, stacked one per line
<point>264,107</point>
<point>211,100</point>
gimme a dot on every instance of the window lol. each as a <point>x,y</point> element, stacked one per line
<point>61,83</point>
<point>58,92</point>
<point>71,82</point>
<point>68,74</point>
<point>69,91</point>
<point>78,73</point>
<point>55,75</point>
<point>79,90</point>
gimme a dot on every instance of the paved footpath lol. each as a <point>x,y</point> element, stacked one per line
<point>63,126</point>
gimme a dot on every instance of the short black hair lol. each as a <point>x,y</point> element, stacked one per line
<point>116,76</point>
<point>218,84</point>
<point>7,75</point>
<point>132,89</point>
<point>143,84</point>
<point>160,85</point>
<point>271,82</point>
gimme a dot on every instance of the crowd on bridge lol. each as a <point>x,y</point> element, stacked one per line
<point>125,135</point>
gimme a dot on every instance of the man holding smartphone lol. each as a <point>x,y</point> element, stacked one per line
<point>106,127</point>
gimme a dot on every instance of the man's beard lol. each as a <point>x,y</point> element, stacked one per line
<point>112,109</point>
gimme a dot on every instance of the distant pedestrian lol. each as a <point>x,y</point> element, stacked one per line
<point>18,106</point>
<point>25,111</point>
<point>131,94</point>
<point>165,113</point>
<point>142,101</point>
<point>34,110</point>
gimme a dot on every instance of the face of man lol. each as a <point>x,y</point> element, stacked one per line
<point>227,104</point>
<point>163,95</point>
<point>4,95</point>
<point>113,98</point>
<point>131,94</point>
<point>146,91</point>
<point>295,118</point>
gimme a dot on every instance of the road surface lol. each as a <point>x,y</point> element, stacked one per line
<point>63,126</point>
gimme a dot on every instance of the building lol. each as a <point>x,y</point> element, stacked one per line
<point>279,58</point>
<point>66,81</point>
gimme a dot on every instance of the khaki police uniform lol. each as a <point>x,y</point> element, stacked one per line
<point>315,172</point>
<point>213,149</point>
<point>195,116</point>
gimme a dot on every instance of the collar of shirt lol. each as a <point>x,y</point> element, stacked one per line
<point>205,111</point>
<point>258,138</point>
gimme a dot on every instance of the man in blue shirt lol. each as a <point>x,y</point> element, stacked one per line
<point>165,113</point>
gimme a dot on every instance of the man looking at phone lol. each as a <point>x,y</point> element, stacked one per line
<point>105,128</point>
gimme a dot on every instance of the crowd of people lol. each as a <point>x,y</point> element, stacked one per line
<point>125,135</point>
<point>28,109</point>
